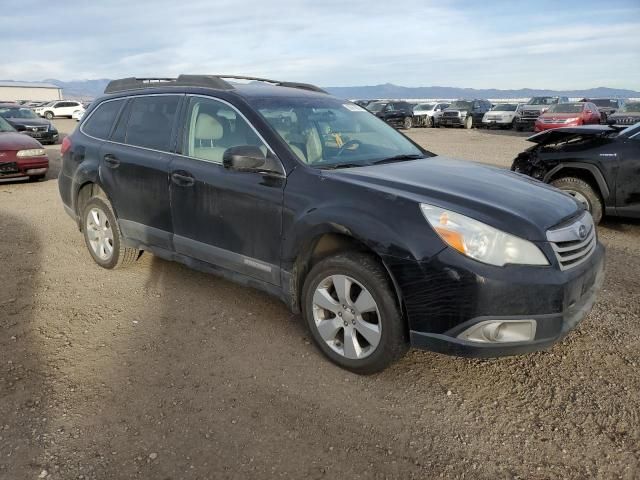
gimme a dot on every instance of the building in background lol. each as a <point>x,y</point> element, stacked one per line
<point>12,91</point>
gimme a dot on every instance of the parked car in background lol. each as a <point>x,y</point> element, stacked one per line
<point>567,115</point>
<point>378,243</point>
<point>33,105</point>
<point>628,114</point>
<point>606,106</point>
<point>61,108</point>
<point>465,113</point>
<point>21,157</point>
<point>502,115</point>
<point>365,103</point>
<point>428,114</point>
<point>597,164</point>
<point>77,115</point>
<point>25,121</point>
<point>398,114</point>
<point>530,111</point>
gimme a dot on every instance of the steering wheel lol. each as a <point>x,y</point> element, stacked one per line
<point>350,143</point>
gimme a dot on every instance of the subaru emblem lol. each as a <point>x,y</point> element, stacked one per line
<point>582,231</point>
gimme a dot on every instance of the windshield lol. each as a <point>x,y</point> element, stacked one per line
<point>5,127</point>
<point>327,133</point>
<point>505,107</point>
<point>424,106</point>
<point>566,108</point>
<point>376,106</point>
<point>16,113</point>
<point>542,101</point>
<point>460,105</point>
<point>631,107</point>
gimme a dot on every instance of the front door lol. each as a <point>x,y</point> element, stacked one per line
<point>227,218</point>
<point>134,168</point>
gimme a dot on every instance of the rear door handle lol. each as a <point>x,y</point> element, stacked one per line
<point>111,161</point>
<point>183,179</point>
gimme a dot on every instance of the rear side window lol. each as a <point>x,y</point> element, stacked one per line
<point>151,121</point>
<point>99,123</point>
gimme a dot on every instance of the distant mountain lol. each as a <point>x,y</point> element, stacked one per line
<point>389,90</point>
<point>89,89</point>
<point>81,89</point>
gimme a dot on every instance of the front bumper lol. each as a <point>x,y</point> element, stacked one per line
<point>455,293</point>
<point>24,168</point>
<point>44,137</point>
<point>451,121</point>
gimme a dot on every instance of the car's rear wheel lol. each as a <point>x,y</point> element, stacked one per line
<point>584,193</point>
<point>48,115</point>
<point>468,122</point>
<point>352,313</point>
<point>103,237</point>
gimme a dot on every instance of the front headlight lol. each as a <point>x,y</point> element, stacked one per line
<point>33,152</point>
<point>480,241</point>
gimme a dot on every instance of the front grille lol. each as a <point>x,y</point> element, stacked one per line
<point>531,113</point>
<point>36,128</point>
<point>451,114</point>
<point>554,120</point>
<point>574,243</point>
<point>626,120</point>
<point>494,117</point>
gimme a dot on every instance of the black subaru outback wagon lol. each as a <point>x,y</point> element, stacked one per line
<point>377,242</point>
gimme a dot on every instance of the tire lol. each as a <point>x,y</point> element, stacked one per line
<point>36,178</point>
<point>120,256</point>
<point>48,115</point>
<point>468,122</point>
<point>428,122</point>
<point>370,277</point>
<point>518,127</point>
<point>407,123</point>
<point>584,193</point>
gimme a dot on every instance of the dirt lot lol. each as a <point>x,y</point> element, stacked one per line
<point>161,372</point>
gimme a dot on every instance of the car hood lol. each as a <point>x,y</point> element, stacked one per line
<point>534,107</point>
<point>27,121</point>
<point>560,116</point>
<point>625,114</point>
<point>17,141</point>
<point>557,134</point>
<point>506,200</point>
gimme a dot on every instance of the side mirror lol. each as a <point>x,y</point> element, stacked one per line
<point>249,158</point>
<point>244,158</point>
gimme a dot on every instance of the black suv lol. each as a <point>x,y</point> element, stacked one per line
<point>596,164</point>
<point>397,113</point>
<point>377,242</point>
<point>464,113</point>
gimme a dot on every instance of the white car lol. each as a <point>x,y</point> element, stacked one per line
<point>502,115</point>
<point>59,108</point>
<point>432,111</point>
<point>77,115</point>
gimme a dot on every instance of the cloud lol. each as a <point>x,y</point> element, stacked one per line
<point>414,42</point>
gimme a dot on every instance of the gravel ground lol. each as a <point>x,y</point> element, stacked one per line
<point>158,371</point>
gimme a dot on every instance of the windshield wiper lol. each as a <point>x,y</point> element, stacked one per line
<point>399,158</point>
<point>341,165</point>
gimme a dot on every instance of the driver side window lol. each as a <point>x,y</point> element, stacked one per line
<point>213,127</point>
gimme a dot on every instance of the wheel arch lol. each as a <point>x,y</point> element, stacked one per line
<point>332,240</point>
<point>585,171</point>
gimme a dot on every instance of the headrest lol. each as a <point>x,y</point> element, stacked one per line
<point>207,127</point>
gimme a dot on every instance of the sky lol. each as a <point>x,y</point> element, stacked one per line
<point>561,44</point>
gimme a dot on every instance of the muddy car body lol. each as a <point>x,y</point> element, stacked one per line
<point>629,114</point>
<point>530,111</point>
<point>596,164</point>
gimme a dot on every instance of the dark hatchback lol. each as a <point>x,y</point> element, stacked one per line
<point>376,241</point>
<point>25,121</point>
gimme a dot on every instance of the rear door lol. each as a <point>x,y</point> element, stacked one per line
<point>134,167</point>
<point>628,184</point>
<point>227,218</point>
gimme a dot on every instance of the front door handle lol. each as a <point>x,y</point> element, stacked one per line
<point>182,179</point>
<point>111,161</point>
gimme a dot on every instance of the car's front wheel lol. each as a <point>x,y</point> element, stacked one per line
<point>468,122</point>
<point>584,193</point>
<point>352,313</point>
<point>407,123</point>
<point>103,237</point>
<point>48,115</point>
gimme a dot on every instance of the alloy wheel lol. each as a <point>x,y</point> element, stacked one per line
<point>346,317</point>
<point>99,233</point>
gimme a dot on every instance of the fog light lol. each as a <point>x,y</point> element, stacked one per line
<point>500,331</point>
<point>36,171</point>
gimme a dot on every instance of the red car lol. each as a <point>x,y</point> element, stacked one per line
<point>568,115</point>
<point>21,157</point>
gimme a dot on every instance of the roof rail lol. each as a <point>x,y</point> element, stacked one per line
<point>207,81</point>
